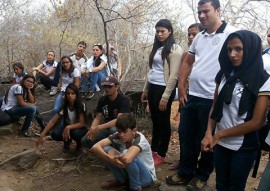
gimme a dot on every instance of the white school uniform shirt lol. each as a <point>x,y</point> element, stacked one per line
<point>48,67</point>
<point>78,63</point>
<point>69,78</point>
<point>156,73</point>
<point>206,48</point>
<point>15,90</point>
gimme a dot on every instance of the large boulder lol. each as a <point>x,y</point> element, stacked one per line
<point>23,160</point>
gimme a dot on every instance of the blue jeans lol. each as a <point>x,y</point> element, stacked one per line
<point>136,173</point>
<point>57,104</point>
<point>194,119</point>
<point>102,134</point>
<point>29,112</point>
<point>232,168</point>
<point>96,79</point>
<point>161,133</point>
<point>75,134</point>
<point>84,83</point>
<point>265,180</point>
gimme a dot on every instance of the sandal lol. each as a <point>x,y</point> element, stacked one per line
<point>111,184</point>
<point>176,180</point>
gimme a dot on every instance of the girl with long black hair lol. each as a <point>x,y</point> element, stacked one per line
<point>159,89</point>
<point>73,112</point>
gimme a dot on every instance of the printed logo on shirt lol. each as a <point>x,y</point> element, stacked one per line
<point>216,40</point>
<point>239,92</point>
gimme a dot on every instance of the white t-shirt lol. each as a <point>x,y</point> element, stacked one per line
<point>15,90</point>
<point>156,73</point>
<point>206,48</point>
<point>231,118</point>
<point>266,62</point>
<point>47,67</point>
<point>89,65</point>
<point>69,78</point>
<point>78,63</point>
<point>145,150</point>
<point>17,78</point>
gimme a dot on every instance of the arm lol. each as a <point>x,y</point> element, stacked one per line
<point>30,96</point>
<point>77,82</point>
<point>99,68</point>
<point>249,126</point>
<point>21,101</point>
<point>98,150</point>
<point>93,129</point>
<point>80,124</point>
<point>131,154</point>
<point>208,138</point>
<point>185,70</point>
<point>47,128</point>
<point>171,70</point>
<point>37,69</point>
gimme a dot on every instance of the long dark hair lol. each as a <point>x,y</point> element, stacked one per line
<point>79,106</point>
<point>25,92</point>
<point>167,45</point>
<point>19,65</point>
<point>71,69</point>
<point>97,60</point>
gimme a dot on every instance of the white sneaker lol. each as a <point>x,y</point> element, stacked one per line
<point>53,91</point>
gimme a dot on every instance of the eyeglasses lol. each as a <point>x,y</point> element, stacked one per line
<point>107,86</point>
<point>97,44</point>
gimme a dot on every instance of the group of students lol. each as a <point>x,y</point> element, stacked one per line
<point>223,91</point>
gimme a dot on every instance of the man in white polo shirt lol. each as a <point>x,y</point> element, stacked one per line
<point>202,65</point>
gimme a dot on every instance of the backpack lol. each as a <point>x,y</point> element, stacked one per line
<point>4,118</point>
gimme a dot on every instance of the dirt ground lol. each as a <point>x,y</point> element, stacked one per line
<point>82,173</point>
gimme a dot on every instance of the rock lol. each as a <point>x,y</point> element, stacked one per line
<point>9,128</point>
<point>166,187</point>
<point>23,160</point>
<point>5,189</point>
<point>68,168</point>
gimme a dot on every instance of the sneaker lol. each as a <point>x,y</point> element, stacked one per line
<point>25,133</point>
<point>53,91</point>
<point>196,184</point>
<point>91,94</point>
<point>176,180</point>
<point>158,159</point>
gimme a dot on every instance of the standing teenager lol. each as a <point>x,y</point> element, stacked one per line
<point>159,89</point>
<point>238,110</point>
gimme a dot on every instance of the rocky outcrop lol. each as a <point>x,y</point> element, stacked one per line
<point>23,160</point>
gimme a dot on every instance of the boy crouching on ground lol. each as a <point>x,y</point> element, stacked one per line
<point>128,155</point>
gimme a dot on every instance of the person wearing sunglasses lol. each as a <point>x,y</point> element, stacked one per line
<point>19,101</point>
<point>109,107</point>
<point>94,71</point>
